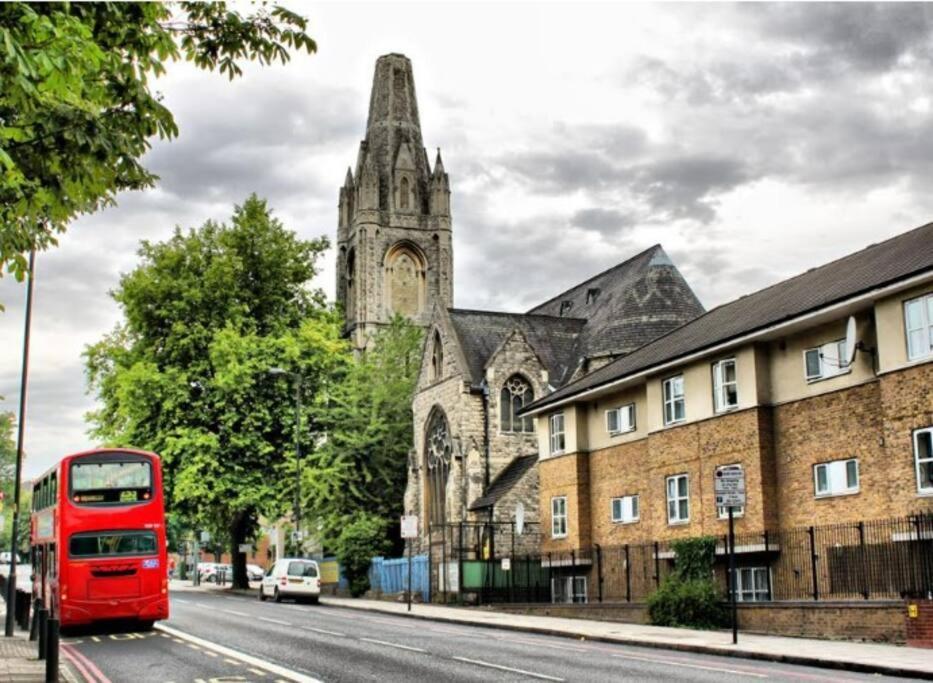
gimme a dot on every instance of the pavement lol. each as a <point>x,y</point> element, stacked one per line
<point>892,660</point>
<point>19,660</point>
<point>872,658</point>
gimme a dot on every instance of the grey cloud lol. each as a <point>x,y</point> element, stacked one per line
<point>608,222</point>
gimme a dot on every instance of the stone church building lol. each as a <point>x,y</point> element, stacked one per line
<point>473,459</point>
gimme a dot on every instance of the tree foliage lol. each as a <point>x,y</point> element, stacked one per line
<point>358,542</point>
<point>7,473</point>
<point>206,314</point>
<point>366,415</point>
<point>689,596</point>
<point>77,107</point>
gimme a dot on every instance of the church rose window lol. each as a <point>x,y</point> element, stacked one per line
<point>437,454</point>
<point>516,394</point>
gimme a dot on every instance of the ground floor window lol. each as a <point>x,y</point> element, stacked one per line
<point>752,584</point>
<point>568,589</point>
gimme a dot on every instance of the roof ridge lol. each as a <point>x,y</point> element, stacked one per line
<point>598,275</point>
<point>520,315</point>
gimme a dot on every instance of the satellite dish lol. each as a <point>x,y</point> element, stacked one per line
<point>851,341</point>
<point>519,518</point>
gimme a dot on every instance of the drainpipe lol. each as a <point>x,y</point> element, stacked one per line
<point>485,388</point>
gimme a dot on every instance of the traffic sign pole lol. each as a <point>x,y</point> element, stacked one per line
<point>732,577</point>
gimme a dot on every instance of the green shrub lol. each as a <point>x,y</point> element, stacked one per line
<point>360,541</point>
<point>689,596</point>
<point>694,603</point>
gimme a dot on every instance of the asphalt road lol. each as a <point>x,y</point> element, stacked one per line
<point>277,642</point>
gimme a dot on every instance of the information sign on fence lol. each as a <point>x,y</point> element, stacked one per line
<point>409,526</point>
<point>506,564</point>
<point>729,486</point>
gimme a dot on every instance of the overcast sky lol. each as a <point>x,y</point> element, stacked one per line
<point>753,142</point>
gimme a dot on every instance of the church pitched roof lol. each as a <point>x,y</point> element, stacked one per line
<point>628,305</point>
<point>876,266</point>
<point>504,481</point>
<point>481,333</point>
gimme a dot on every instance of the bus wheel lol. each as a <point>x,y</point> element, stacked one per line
<point>277,596</point>
<point>262,594</point>
<point>145,625</point>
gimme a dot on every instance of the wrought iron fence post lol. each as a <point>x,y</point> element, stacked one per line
<point>816,583</point>
<point>864,560</point>
<point>599,572</point>
<point>768,573</point>
<point>628,576</point>
<point>573,573</point>
<point>460,564</point>
<point>657,564</point>
<point>550,577</point>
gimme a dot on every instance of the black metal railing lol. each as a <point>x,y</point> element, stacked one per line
<point>867,560</point>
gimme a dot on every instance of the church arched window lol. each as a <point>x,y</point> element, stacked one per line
<point>405,280</point>
<point>516,394</point>
<point>404,191</point>
<point>437,452</point>
<point>351,282</point>
<point>437,357</point>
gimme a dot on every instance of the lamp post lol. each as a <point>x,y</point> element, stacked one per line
<point>299,382</point>
<point>11,580</point>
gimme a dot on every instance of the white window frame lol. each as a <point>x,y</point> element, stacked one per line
<point>836,469</point>
<point>556,435</point>
<point>722,512</point>
<point>921,489</point>
<point>568,589</point>
<point>559,517</point>
<point>831,358</point>
<point>623,426</point>
<point>677,499</point>
<point>626,504</point>
<point>751,593</point>
<point>720,385</point>
<point>924,329</point>
<point>670,400</point>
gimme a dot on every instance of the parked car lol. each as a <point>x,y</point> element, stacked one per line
<point>292,578</point>
<point>210,570</point>
<point>254,572</point>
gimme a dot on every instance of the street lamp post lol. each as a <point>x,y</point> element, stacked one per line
<point>299,382</point>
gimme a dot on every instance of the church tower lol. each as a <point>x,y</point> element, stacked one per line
<point>394,250</point>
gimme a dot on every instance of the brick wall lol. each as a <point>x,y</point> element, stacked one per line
<point>919,623</point>
<point>565,475</point>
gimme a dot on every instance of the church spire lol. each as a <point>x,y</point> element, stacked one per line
<point>392,101</point>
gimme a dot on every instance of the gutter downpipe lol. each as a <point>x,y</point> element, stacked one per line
<point>485,388</point>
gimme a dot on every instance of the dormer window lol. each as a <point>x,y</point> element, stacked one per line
<point>592,294</point>
<point>565,307</point>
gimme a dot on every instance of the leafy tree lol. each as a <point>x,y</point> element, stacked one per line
<point>366,415</point>
<point>7,473</point>
<point>206,315</point>
<point>76,105</point>
<point>358,542</point>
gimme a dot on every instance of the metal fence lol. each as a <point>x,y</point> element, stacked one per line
<point>879,559</point>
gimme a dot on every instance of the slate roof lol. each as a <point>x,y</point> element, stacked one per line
<point>875,266</point>
<point>481,333</point>
<point>628,305</point>
<point>504,481</point>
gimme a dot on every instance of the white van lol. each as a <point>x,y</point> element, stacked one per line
<point>292,577</point>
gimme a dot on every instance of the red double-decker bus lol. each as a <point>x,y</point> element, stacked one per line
<point>98,538</point>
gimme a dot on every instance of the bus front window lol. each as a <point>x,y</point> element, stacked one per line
<point>111,482</point>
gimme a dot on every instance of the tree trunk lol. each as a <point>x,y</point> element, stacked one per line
<point>239,528</point>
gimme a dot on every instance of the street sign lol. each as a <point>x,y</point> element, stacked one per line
<point>729,487</point>
<point>506,564</point>
<point>246,547</point>
<point>409,526</point>
<point>297,535</point>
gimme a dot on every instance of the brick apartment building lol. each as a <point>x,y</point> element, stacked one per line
<point>628,453</point>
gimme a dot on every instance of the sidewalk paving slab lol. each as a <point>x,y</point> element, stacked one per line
<point>19,659</point>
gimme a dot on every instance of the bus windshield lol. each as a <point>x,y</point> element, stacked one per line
<point>95,483</point>
<point>113,543</point>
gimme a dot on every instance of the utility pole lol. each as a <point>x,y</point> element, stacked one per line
<point>11,582</point>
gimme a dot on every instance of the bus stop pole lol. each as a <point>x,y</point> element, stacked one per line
<point>51,654</point>
<point>733,584</point>
<point>11,582</point>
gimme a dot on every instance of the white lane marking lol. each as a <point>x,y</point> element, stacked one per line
<point>258,672</point>
<point>183,602</point>
<point>230,654</point>
<point>235,613</point>
<point>274,621</point>
<point>202,605</point>
<point>322,630</point>
<point>387,644</point>
<point>691,666</point>
<point>232,661</point>
<point>479,662</point>
<point>524,641</point>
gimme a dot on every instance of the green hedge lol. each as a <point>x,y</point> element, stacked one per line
<point>689,596</point>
